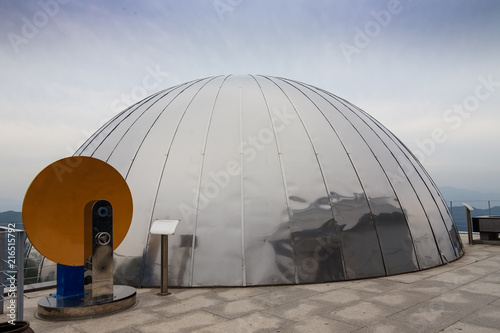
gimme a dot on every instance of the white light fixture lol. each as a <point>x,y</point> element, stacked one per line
<point>164,227</point>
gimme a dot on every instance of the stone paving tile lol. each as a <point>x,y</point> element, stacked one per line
<point>65,329</point>
<point>479,268</point>
<point>465,302</point>
<point>431,287</point>
<point>427,315</point>
<point>184,323</point>
<point>282,295</point>
<point>400,299</point>
<point>457,276</point>
<point>461,327</point>
<point>34,296</point>
<point>256,322</point>
<point>408,277</point>
<point>341,297</point>
<point>180,294</point>
<point>493,278</point>
<point>374,285</point>
<point>467,260</point>
<point>481,287</point>
<point>126,330</point>
<point>186,305</point>
<point>443,268</point>
<point>480,259</point>
<point>361,313</point>
<point>30,307</point>
<point>455,264</point>
<point>298,310</point>
<point>394,326</point>
<point>443,310</point>
<point>150,300</point>
<point>318,324</point>
<point>497,303</point>
<point>487,316</point>
<point>323,287</point>
<point>118,321</point>
<point>234,309</point>
<point>481,250</point>
<point>494,259</point>
<point>72,326</point>
<point>233,294</point>
<point>31,299</point>
<point>141,291</point>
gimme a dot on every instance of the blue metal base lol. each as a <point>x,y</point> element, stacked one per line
<point>69,281</point>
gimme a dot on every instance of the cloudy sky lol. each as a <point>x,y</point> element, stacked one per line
<point>428,70</point>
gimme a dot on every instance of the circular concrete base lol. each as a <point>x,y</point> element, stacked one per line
<point>52,308</point>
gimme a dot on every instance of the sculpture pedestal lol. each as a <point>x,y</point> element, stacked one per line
<point>78,307</point>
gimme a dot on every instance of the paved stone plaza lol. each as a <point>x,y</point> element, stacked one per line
<point>463,296</point>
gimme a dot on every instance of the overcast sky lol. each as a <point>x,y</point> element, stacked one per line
<point>428,70</point>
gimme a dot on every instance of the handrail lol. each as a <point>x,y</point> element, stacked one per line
<point>481,207</point>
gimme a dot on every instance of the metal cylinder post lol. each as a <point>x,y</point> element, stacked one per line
<point>469,226</point>
<point>468,209</point>
<point>164,266</point>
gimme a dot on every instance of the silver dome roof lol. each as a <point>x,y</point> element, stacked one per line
<point>275,182</point>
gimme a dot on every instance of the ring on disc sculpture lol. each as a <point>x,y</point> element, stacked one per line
<point>76,212</point>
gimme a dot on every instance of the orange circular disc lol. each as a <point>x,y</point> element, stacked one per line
<point>54,206</point>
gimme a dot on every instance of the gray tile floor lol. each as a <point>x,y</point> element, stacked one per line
<point>463,296</point>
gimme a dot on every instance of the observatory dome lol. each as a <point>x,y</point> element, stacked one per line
<point>275,182</point>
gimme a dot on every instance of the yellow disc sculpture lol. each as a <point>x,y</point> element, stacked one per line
<point>54,207</point>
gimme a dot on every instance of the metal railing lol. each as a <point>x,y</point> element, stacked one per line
<point>481,208</point>
<point>39,272</point>
<point>12,245</point>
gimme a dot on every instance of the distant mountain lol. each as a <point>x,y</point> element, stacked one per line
<point>10,217</point>
<point>478,200</point>
<point>460,217</point>
<point>459,194</point>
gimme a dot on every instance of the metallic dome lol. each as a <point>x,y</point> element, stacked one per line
<point>275,182</point>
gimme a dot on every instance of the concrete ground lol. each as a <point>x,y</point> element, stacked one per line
<point>463,296</point>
